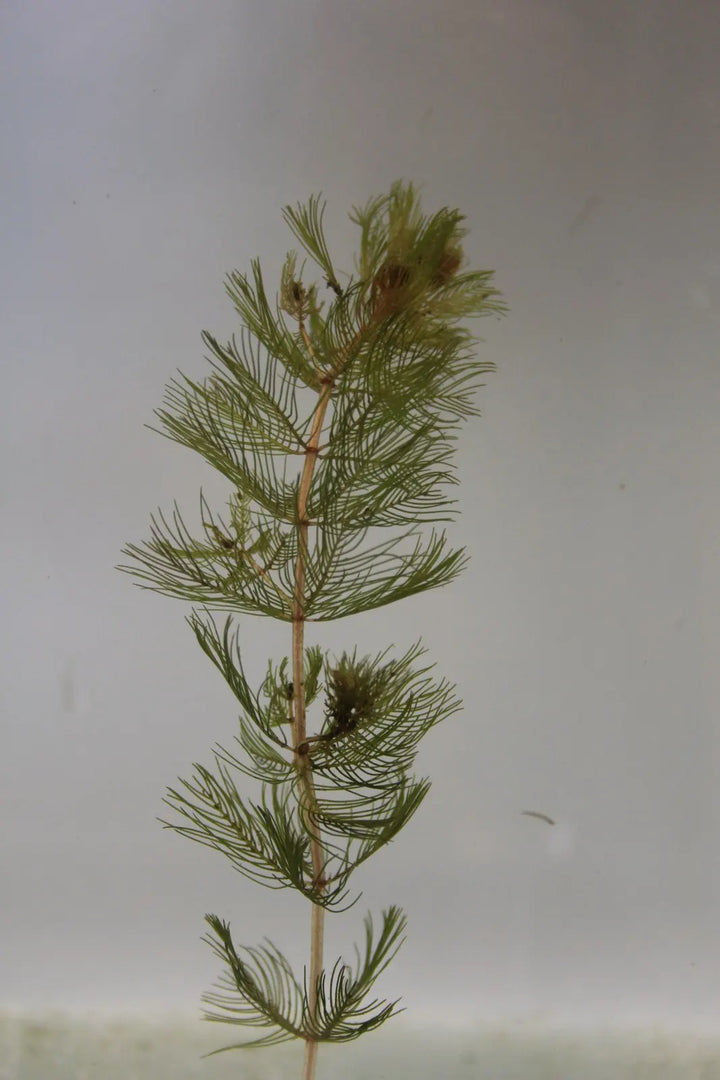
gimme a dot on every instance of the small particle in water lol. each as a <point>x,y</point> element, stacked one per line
<point>539,816</point>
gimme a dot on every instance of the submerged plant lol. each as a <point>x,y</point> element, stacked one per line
<point>334,422</point>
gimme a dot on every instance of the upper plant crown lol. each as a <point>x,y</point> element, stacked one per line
<point>396,373</point>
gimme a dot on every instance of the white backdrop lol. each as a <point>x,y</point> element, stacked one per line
<point>148,150</point>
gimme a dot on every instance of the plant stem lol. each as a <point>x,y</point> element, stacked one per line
<point>302,757</point>
<point>316,963</point>
<point>311,1049</point>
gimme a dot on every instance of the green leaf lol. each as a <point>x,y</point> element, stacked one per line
<point>380,748</point>
<point>306,222</point>
<point>262,842</point>
<point>343,1011</point>
<point>214,574</point>
<point>342,580</point>
<point>258,989</point>
<point>252,305</point>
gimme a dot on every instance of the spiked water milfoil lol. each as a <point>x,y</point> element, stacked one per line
<point>334,422</point>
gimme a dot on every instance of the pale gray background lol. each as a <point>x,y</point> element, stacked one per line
<point>148,148</point>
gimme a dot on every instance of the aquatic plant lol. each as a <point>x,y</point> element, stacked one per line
<point>334,422</point>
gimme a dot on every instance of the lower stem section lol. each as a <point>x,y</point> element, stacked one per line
<point>317,939</point>
<point>311,1049</point>
<point>316,953</point>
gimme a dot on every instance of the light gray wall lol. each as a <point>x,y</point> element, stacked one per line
<point>148,149</point>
